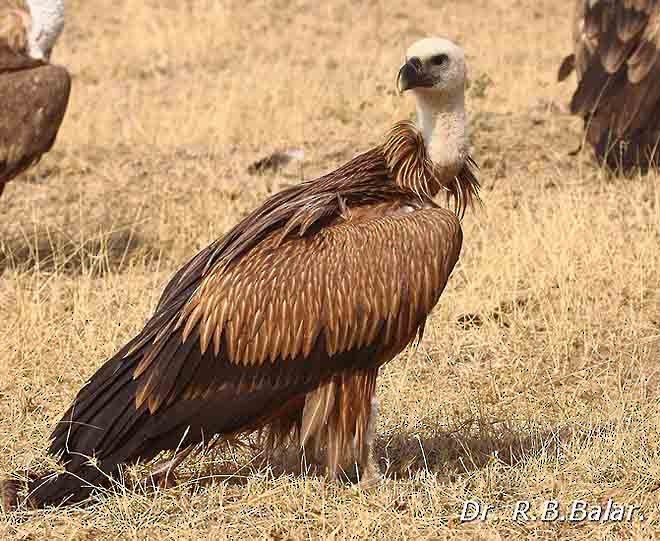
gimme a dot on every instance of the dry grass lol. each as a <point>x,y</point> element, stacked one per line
<point>553,390</point>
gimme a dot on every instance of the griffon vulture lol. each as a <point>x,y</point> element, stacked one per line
<point>618,67</point>
<point>283,324</point>
<point>34,93</point>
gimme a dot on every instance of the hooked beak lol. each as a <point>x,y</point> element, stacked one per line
<point>412,75</point>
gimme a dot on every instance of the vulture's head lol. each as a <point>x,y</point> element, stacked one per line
<point>434,66</point>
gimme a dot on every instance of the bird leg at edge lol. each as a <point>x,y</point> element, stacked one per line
<point>369,473</point>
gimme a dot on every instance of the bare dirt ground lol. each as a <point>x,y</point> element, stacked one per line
<point>539,375</point>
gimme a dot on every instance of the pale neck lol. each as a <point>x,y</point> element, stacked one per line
<point>47,23</point>
<point>441,120</point>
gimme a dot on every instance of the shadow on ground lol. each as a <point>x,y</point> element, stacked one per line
<point>405,454</point>
<point>103,254</point>
<point>399,457</point>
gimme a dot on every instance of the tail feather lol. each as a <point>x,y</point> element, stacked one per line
<point>107,425</point>
<point>81,421</point>
<point>67,487</point>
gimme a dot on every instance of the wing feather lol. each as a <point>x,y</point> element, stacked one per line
<point>403,287</point>
<point>617,46</point>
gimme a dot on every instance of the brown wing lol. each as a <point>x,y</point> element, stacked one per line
<point>335,292</point>
<point>618,70</point>
<point>34,103</point>
<point>267,329</point>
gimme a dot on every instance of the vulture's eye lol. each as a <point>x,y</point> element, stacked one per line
<point>439,60</point>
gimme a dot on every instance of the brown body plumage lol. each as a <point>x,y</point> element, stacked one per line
<point>617,64</point>
<point>34,94</point>
<point>281,325</point>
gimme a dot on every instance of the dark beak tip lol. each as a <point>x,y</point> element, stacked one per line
<point>407,78</point>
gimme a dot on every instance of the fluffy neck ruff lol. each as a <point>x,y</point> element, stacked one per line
<point>432,156</point>
<point>47,24</point>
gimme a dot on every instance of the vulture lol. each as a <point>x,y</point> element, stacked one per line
<point>34,92</point>
<point>280,327</point>
<point>617,64</point>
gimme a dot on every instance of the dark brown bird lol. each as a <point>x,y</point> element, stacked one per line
<point>283,324</point>
<point>34,92</point>
<point>618,67</point>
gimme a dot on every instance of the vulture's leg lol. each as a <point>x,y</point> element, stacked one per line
<point>359,398</point>
<point>318,419</point>
<point>339,418</point>
<point>368,466</point>
<point>163,475</point>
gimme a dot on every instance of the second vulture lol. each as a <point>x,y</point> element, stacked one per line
<point>34,93</point>
<point>616,45</point>
<point>281,326</point>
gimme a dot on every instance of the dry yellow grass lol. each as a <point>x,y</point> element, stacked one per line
<point>553,393</point>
